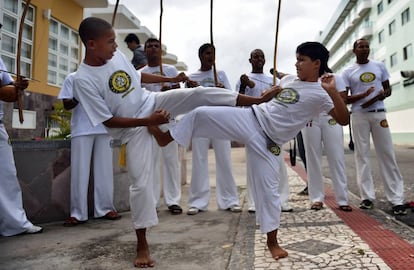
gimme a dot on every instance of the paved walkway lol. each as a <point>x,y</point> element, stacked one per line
<point>216,240</point>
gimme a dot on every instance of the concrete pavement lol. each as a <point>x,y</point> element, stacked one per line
<point>215,239</point>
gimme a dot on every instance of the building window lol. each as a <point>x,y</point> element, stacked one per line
<point>381,36</point>
<point>391,28</point>
<point>393,59</point>
<point>405,16</point>
<point>407,52</point>
<point>10,14</point>
<point>63,52</point>
<point>380,8</point>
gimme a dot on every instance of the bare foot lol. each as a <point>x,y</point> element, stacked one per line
<point>143,258</point>
<point>276,251</point>
<point>161,137</point>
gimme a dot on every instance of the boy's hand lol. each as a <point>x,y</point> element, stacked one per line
<point>245,81</point>
<point>191,84</point>
<point>328,82</point>
<point>270,93</point>
<point>159,117</point>
<point>181,77</point>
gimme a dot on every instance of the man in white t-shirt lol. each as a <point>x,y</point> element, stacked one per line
<point>88,144</point>
<point>253,84</point>
<point>226,190</point>
<point>171,181</point>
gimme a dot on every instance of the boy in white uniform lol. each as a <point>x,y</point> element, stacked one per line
<point>170,163</point>
<point>13,219</point>
<point>323,129</point>
<point>109,89</point>
<point>226,189</point>
<point>253,84</point>
<point>265,127</point>
<point>87,143</point>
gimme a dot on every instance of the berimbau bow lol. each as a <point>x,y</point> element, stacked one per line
<point>212,43</point>
<point>114,14</point>
<point>160,35</point>
<point>18,61</point>
<point>276,43</point>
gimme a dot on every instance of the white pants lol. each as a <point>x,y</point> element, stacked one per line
<point>375,123</point>
<point>170,171</point>
<point>84,149</point>
<point>283,185</point>
<point>323,130</point>
<point>13,218</point>
<point>239,124</point>
<point>140,150</point>
<point>226,190</point>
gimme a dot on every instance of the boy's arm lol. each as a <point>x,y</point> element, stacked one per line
<point>153,78</point>
<point>156,118</point>
<point>340,112</point>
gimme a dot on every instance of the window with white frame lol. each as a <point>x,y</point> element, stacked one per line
<point>10,14</point>
<point>405,16</point>
<point>380,8</point>
<point>393,59</point>
<point>381,36</point>
<point>407,52</point>
<point>63,52</point>
<point>391,28</point>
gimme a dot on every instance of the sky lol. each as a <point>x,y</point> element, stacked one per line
<point>239,26</point>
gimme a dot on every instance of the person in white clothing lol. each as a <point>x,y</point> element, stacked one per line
<point>170,163</point>
<point>265,127</point>
<point>88,144</point>
<point>253,84</point>
<point>13,219</point>
<point>109,89</point>
<point>226,189</point>
<point>323,132</point>
<point>368,83</point>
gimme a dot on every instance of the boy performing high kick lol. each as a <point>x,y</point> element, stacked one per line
<point>109,89</point>
<point>264,128</point>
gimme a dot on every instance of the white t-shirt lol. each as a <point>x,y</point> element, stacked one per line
<point>5,79</point>
<point>113,89</point>
<point>262,82</point>
<point>285,115</point>
<point>79,124</point>
<point>360,77</point>
<point>168,70</point>
<point>206,78</point>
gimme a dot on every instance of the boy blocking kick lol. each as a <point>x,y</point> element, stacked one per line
<point>109,89</point>
<point>264,128</point>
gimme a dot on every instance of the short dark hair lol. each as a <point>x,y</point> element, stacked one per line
<point>315,51</point>
<point>93,28</point>
<point>149,40</point>
<point>204,47</point>
<point>359,39</point>
<point>131,37</point>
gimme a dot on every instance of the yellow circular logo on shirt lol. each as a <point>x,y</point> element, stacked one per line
<point>367,77</point>
<point>332,122</point>
<point>275,149</point>
<point>119,82</point>
<point>288,95</point>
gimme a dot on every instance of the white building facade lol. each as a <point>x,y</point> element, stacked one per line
<point>389,26</point>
